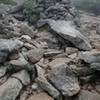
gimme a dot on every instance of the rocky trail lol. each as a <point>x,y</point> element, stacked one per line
<point>56,59</point>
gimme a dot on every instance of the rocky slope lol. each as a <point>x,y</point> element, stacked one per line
<point>56,59</point>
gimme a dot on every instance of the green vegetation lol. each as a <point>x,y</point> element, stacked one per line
<point>88,5</point>
<point>7,2</point>
<point>31,10</point>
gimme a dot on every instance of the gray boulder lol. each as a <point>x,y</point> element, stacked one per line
<point>10,89</point>
<point>8,46</point>
<point>64,80</point>
<point>68,32</point>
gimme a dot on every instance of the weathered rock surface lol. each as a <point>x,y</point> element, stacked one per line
<point>64,80</point>
<point>46,86</point>
<point>8,46</point>
<point>67,31</point>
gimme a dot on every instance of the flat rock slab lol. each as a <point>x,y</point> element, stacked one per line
<point>40,96</point>
<point>23,76</point>
<point>58,62</point>
<point>64,80</point>
<point>86,95</point>
<point>67,31</point>
<point>10,89</point>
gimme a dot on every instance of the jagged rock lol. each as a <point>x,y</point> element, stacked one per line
<point>46,86</point>
<point>67,31</point>
<point>86,95</point>
<point>90,57</point>
<point>40,96</point>
<point>35,55</point>
<point>7,47</point>
<point>64,80</point>
<point>10,89</point>
<point>23,76</point>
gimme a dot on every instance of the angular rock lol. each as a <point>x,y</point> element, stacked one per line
<point>23,76</point>
<point>8,46</point>
<point>64,80</point>
<point>86,95</point>
<point>90,57</point>
<point>10,89</point>
<point>68,32</point>
<point>35,55</point>
<point>46,86</point>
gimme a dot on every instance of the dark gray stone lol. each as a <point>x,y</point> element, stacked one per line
<point>68,32</point>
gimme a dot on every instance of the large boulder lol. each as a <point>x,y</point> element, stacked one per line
<point>8,46</point>
<point>68,32</point>
<point>64,80</point>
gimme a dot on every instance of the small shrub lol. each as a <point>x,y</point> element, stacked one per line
<point>31,10</point>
